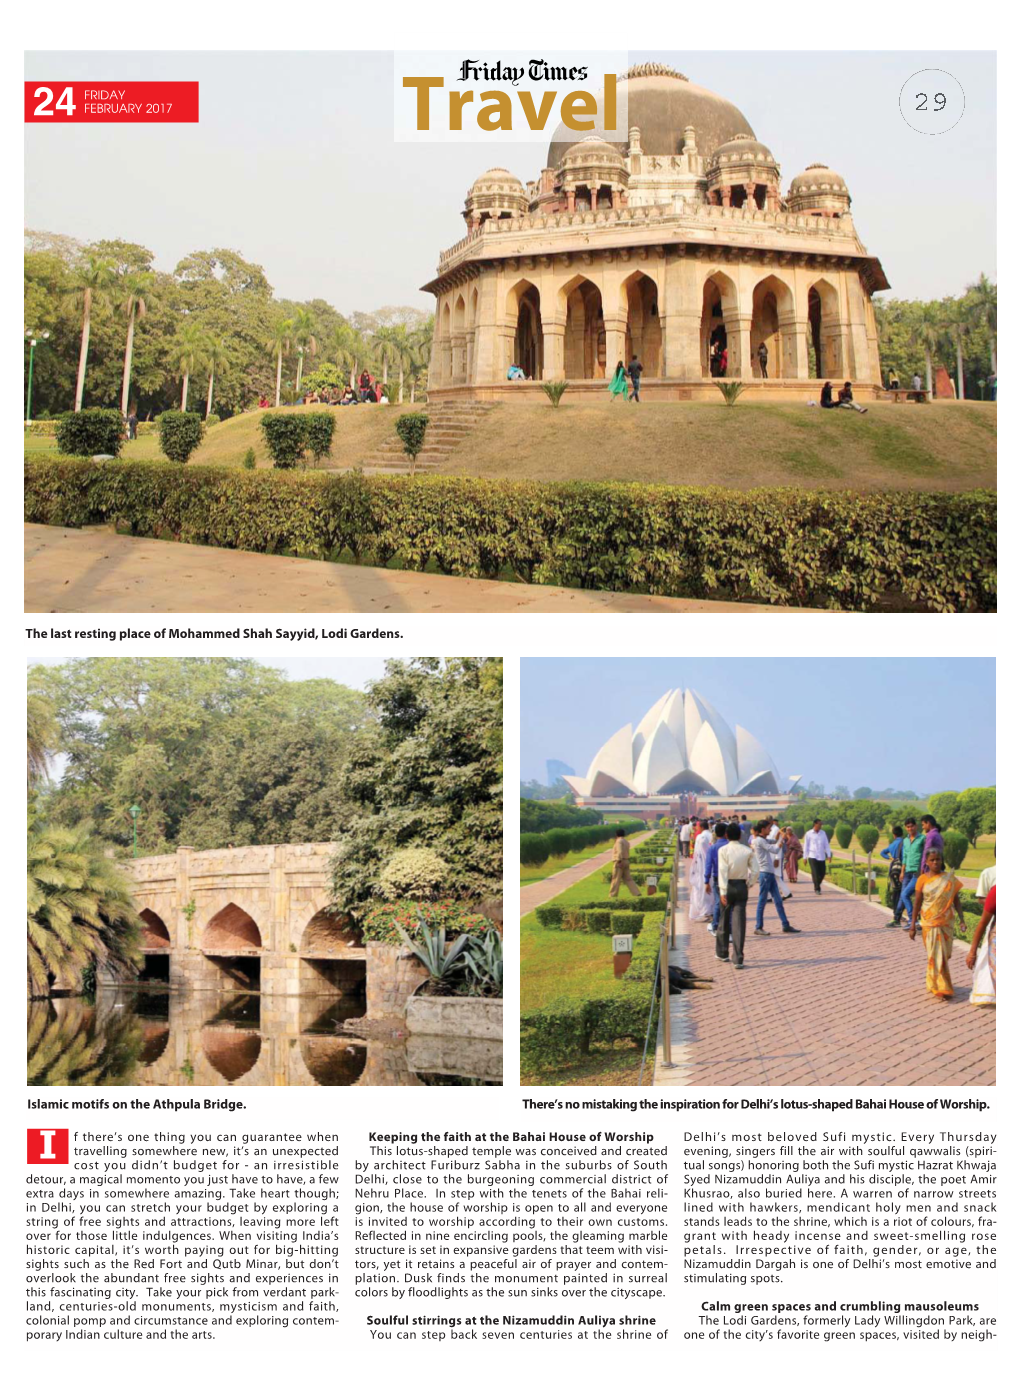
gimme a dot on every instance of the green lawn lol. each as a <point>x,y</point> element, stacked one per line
<point>977,859</point>
<point>557,865</point>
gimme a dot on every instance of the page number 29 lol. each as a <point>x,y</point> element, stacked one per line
<point>932,101</point>
<point>46,105</point>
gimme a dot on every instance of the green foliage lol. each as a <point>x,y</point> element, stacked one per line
<point>626,923</point>
<point>550,914</point>
<point>598,922</point>
<point>319,427</point>
<point>867,837</point>
<point>955,845</point>
<point>429,945</point>
<point>829,832</point>
<point>414,872</point>
<point>285,437</point>
<point>943,806</point>
<point>559,842</point>
<point>215,751</point>
<point>384,922</point>
<point>535,850</point>
<point>411,428</point>
<point>483,965</point>
<point>427,775</point>
<point>935,550</point>
<point>539,815</point>
<point>844,835</point>
<point>648,902</point>
<point>95,431</point>
<point>248,459</point>
<point>180,434</point>
<point>798,831</point>
<point>80,909</point>
<point>554,390</point>
<point>730,388</point>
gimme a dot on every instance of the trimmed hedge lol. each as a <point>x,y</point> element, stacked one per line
<point>549,915</point>
<point>94,431</point>
<point>568,1026</point>
<point>627,923</point>
<point>929,551</point>
<point>652,902</point>
<point>600,923</point>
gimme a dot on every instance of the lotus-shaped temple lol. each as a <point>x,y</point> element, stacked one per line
<point>682,752</point>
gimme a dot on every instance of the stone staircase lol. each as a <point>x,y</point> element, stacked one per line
<point>449,424</point>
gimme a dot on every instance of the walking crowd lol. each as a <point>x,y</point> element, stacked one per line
<point>728,859</point>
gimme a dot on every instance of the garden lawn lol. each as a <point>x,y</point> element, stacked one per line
<point>977,859</point>
<point>557,865</point>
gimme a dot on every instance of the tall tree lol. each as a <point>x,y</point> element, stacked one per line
<point>982,296</point>
<point>135,292</point>
<point>218,357</point>
<point>189,355</point>
<point>279,343</point>
<point>92,284</point>
<point>303,331</point>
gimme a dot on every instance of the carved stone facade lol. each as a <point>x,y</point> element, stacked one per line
<point>661,247</point>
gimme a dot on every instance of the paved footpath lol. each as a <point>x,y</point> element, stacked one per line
<point>98,570</point>
<point>535,894</point>
<point>842,1004</point>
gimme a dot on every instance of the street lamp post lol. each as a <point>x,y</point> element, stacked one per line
<point>134,812</point>
<point>32,342</point>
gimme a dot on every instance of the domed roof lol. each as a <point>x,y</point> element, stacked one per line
<point>742,150</point>
<point>818,179</point>
<point>593,146</point>
<point>662,102</point>
<point>497,175</point>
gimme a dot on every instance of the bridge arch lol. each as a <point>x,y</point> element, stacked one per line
<point>155,936</point>
<point>231,932</point>
<point>231,1052</point>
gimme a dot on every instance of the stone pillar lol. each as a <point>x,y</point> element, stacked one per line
<point>554,329</point>
<point>571,200</point>
<point>617,198</point>
<point>738,342</point>
<point>458,344</point>
<point>727,196</point>
<point>794,335</point>
<point>681,345</point>
<point>180,937</point>
<point>594,199</point>
<point>392,976</point>
<point>859,367</point>
<point>616,341</point>
<point>749,191</point>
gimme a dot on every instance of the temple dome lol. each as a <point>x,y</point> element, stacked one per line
<point>661,102</point>
<point>818,179</point>
<point>495,178</point>
<point>742,150</point>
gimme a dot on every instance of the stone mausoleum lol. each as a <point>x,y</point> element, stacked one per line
<point>676,245</point>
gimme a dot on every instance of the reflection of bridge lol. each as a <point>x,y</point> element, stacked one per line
<point>251,919</point>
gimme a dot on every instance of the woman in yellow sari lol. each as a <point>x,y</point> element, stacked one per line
<point>936,898</point>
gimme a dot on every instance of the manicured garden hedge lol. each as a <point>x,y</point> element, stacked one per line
<point>836,549</point>
<point>569,1025</point>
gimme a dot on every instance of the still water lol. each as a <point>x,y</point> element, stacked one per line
<point>132,1037</point>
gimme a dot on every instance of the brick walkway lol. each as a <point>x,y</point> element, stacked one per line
<point>535,894</point>
<point>843,1004</point>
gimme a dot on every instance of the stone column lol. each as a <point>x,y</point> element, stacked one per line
<point>594,199</point>
<point>749,191</point>
<point>794,335</point>
<point>857,330</point>
<point>616,341</point>
<point>458,345</point>
<point>738,342</point>
<point>571,200</point>
<point>727,196</point>
<point>179,933</point>
<point>554,329</point>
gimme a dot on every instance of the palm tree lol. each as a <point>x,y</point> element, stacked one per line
<point>958,328</point>
<point>43,736</point>
<point>927,333</point>
<point>279,343</point>
<point>218,357</point>
<point>384,341</point>
<point>136,293</point>
<point>189,352</point>
<point>419,352</point>
<point>80,910</point>
<point>303,325</point>
<point>983,299</point>
<point>400,347</point>
<point>90,288</point>
<point>347,347</point>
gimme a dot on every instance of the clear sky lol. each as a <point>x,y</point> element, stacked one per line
<point>293,164</point>
<point>921,724</point>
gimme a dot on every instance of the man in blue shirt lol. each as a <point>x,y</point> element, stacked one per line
<point>912,851</point>
<point>745,830</point>
<point>894,853</point>
<point>712,875</point>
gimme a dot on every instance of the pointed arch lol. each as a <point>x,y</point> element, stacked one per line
<point>640,303</point>
<point>524,317</point>
<point>231,932</point>
<point>825,333</point>
<point>584,343</point>
<point>231,1052</point>
<point>155,936</point>
<point>772,306</point>
<point>719,313</point>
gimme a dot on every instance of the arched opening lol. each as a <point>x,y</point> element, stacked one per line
<point>459,346</point>
<point>524,311</point>
<point>332,960</point>
<point>231,933</point>
<point>155,1037</point>
<point>584,343</point>
<point>231,1052</point>
<point>718,311</point>
<point>644,325</point>
<point>333,1062</point>
<point>772,302</point>
<point>329,934</point>
<point>155,936</point>
<point>445,346</point>
<point>824,336</point>
<point>155,967</point>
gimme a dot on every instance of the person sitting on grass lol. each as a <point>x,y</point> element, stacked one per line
<point>826,399</point>
<point>846,398</point>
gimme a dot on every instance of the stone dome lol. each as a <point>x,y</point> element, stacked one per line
<point>592,146</point>
<point>661,102</point>
<point>741,150</point>
<point>496,178</point>
<point>818,179</point>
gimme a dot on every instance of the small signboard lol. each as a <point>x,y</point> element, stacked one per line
<point>623,945</point>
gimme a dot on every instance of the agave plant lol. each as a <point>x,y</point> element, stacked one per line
<point>731,389</point>
<point>484,965</point>
<point>554,390</point>
<point>431,949</point>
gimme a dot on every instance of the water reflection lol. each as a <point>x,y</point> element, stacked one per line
<point>152,1037</point>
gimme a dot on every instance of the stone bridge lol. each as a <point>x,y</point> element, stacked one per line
<point>251,919</point>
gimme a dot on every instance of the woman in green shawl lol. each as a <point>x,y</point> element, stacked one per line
<point>618,382</point>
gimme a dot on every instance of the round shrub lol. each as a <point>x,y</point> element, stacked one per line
<point>829,832</point>
<point>534,850</point>
<point>284,435</point>
<point>414,873</point>
<point>319,427</point>
<point>844,835</point>
<point>95,431</point>
<point>549,915</point>
<point>411,429</point>
<point>867,837</point>
<point>559,841</point>
<point>248,459</point>
<point>954,846</point>
<point>180,434</point>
